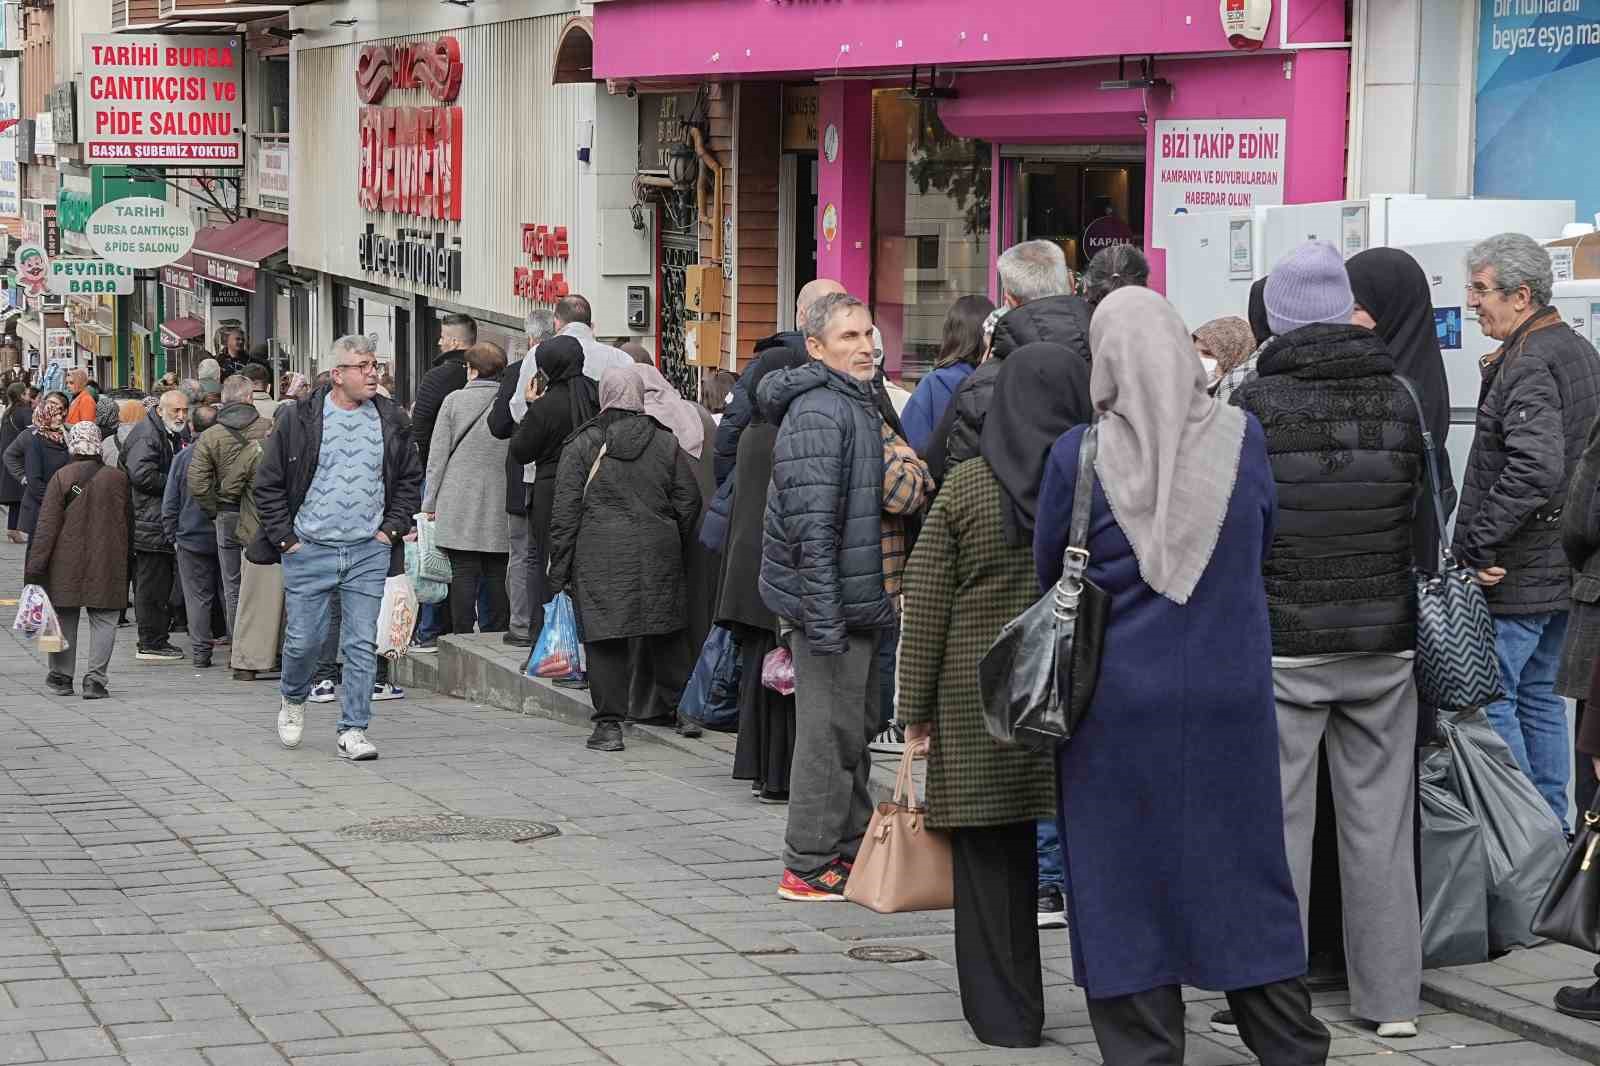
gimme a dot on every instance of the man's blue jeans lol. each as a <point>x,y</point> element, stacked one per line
<point>1047,841</point>
<point>313,575</point>
<point>1532,719</point>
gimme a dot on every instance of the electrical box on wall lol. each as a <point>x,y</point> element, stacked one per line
<point>702,290</point>
<point>702,342</point>
<point>639,308</point>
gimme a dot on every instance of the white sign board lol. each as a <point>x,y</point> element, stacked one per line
<point>162,101</point>
<point>272,175</point>
<point>44,133</point>
<point>140,232</point>
<point>60,347</point>
<point>89,277</point>
<point>1215,165</point>
<point>10,111</point>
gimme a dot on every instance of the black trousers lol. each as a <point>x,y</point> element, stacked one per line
<point>610,678</point>
<point>1146,1028</point>
<point>466,567</point>
<point>541,497</point>
<point>152,602</point>
<point>997,933</point>
<point>659,667</point>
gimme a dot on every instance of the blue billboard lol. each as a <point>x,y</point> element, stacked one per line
<point>1538,129</point>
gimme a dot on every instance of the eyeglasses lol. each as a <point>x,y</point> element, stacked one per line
<point>368,367</point>
<point>1478,288</point>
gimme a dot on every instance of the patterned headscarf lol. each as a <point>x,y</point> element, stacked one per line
<point>83,440</point>
<point>1229,340</point>
<point>47,420</point>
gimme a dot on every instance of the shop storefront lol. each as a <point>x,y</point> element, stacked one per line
<point>459,193</point>
<point>943,137</point>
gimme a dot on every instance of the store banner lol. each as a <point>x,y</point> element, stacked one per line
<point>140,232</point>
<point>89,277</point>
<point>1538,133</point>
<point>10,110</point>
<point>1215,165</point>
<point>163,101</point>
<point>272,175</point>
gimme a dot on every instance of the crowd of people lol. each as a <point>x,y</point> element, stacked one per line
<point>1261,477</point>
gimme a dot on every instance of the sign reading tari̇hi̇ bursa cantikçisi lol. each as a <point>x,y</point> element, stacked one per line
<point>162,101</point>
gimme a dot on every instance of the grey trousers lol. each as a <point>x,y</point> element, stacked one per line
<point>201,578</point>
<point>836,715</point>
<point>517,574</point>
<point>1366,708</point>
<point>230,554</point>
<point>258,630</point>
<point>102,641</point>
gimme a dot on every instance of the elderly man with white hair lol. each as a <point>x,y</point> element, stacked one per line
<point>147,460</point>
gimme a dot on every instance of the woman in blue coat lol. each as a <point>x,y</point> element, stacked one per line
<point>960,353</point>
<point>1171,814</point>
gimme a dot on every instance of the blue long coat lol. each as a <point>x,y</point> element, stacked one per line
<point>1171,809</point>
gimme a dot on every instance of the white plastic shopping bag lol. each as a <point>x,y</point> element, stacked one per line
<point>36,616</point>
<point>397,616</point>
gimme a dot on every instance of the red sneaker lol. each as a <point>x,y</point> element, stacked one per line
<point>824,886</point>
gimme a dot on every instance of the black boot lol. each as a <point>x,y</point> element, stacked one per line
<point>1580,1001</point>
<point>607,736</point>
<point>58,684</point>
<point>94,690</point>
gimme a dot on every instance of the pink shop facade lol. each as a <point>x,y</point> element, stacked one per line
<point>905,143</point>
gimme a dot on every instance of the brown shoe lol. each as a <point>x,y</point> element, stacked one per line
<point>244,675</point>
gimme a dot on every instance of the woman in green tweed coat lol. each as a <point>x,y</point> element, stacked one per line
<point>971,573</point>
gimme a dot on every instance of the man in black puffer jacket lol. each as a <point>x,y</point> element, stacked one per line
<point>1345,442</point>
<point>1535,406</point>
<point>457,333</point>
<point>822,571</point>
<point>1037,289</point>
<point>147,459</point>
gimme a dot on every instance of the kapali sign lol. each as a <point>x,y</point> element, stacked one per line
<point>140,232</point>
<point>89,277</point>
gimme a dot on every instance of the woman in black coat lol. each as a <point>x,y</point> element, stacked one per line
<point>626,504</point>
<point>43,452</point>
<point>556,408</point>
<point>18,417</point>
<point>766,719</point>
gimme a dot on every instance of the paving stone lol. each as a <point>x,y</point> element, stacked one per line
<point>76,1043</point>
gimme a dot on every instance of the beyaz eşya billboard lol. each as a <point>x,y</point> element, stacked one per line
<point>1538,78</point>
<point>155,100</point>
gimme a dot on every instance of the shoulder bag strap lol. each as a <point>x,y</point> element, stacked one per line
<point>470,426</point>
<point>1430,462</point>
<point>594,467</point>
<point>1077,554</point>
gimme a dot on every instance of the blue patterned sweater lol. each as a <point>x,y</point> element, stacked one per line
<point>345,502</point>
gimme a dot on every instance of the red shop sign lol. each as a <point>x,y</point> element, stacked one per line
<point>532,282</point>
<point>225,273</point>
<point>411,156</point>
<point>177,278</point>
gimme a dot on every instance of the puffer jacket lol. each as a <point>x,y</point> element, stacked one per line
<point>225,459</point>
<point>1345,443</point>
<point>736,416</point>
<point>619,539</point>
<point>1539,396</point>
<point>147,460</point>
<point>822,555</point>
<point>1060,320</point>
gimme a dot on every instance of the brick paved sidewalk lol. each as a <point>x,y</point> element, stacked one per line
<point>178,891</point>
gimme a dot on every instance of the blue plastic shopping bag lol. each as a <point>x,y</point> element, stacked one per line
<point>427,589</point>
<point>712,695</point>
<point>559,653</point>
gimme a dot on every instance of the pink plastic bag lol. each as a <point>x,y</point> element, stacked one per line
<point>777,671</point>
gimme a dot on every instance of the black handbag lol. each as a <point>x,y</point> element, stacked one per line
<point>1037,678</point>
<point>1570,911</point>
<point>1456,668</point>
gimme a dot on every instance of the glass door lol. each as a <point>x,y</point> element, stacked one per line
<point>1082,197</point>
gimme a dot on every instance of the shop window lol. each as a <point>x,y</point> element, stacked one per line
<point>930,228</point>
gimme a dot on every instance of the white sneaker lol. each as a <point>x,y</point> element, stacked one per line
<point>354,745</point>
<point>291,723</point>
<point>322,692</point>
<point>892,741</point>
<point>1397,1030</point>
<point>381,692</point>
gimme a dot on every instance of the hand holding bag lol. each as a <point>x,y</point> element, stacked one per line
<point>1038,678</point>
<point>1570,911</point>
<point>903,865</point>
<point>1456,668</point>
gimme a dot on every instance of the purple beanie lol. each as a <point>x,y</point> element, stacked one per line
<point>1307,286</point>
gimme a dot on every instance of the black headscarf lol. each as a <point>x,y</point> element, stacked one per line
<point>561,359</point>
<point>1042,391</point>
<point>781,358</point>
<point>1258,312</point>
<point>1395,292</point>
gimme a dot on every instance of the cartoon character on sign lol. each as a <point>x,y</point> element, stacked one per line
<point>33,269</point>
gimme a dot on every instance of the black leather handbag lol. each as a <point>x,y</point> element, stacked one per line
<point>1038,677</point>
<point>1570,911</point>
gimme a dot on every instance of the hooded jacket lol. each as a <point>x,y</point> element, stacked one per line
<point>617,539</point>
<point>1062,320</point>
<point>225,458</point>
<point>736,416</point>
<point>1345,444</point>
<point>147,460</point>
<point>186,524</point>
<point>822,556</point>
<point>1539,396</point>
<point>543,432</point>
<point>449,373</point>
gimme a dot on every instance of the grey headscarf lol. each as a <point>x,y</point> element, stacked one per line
<point>621,389</point>
<point>1169,453</point>
<point>662,402</point>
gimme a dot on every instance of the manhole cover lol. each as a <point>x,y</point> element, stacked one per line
<point>445,828</point>
<point>887,953</point>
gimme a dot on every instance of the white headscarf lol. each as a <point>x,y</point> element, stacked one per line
<point>1169,453</point>
<point>662,403</point>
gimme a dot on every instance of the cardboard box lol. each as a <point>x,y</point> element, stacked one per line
<point>1575,258</point>
<point>702,289</point>
<point>702,342</point>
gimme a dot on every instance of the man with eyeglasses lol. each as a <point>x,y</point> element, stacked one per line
<point>336,491</point>
<point>1540,393</point>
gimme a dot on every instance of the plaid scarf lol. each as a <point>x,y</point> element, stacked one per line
<point>906,487</point>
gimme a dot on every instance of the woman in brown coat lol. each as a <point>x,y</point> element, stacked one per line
<point>80,553</point>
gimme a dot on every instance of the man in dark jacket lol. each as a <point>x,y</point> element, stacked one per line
<point>336,490</point>
<point>147,459</point>
<point>224,465</point>
<point>505,414</point>
<point>194,535</point>
<point>1535,406</point>
<point>1345,442</point>
<point>457,333</point>
<point>822,571</point>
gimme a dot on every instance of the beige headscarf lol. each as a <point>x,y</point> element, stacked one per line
<point>621,389</point>
<point>662,403</point>
<point>1169,453</point>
